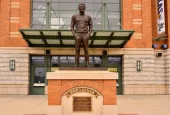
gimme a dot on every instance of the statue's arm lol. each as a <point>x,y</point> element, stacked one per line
<point>72,24</point>
<point>90,25</point>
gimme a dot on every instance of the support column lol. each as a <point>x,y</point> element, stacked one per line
<point>48,14</point>
<point>104,15</point>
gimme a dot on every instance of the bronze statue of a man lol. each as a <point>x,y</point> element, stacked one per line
<point>83,28</point>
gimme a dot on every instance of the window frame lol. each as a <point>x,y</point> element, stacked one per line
<point>104,22</point>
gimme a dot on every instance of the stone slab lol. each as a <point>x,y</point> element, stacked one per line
<point>83,68</point>
<point>82,75</point>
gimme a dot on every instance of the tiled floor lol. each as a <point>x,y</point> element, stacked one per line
<point>132,104</point>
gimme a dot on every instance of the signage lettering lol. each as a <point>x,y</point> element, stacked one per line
<point>93,92</point>
<point>161,17</point>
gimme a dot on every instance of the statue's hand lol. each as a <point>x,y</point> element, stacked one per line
<point>88,35</point>
<point>74,34</point>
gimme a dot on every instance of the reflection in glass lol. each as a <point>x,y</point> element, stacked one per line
<point>114,60</point>
<point>39,14</point>
<point>82,60</point>
<point>62,11</point>
<point>39,75</point>
<point>97,60</point>
<point>39,5</point>
<point>113,1</point>
<point>38,60</point>
<point>113,7</point>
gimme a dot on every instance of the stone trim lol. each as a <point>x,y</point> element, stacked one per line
<point>82,75</point>
<point>15,5</point>
<point>146,89</point>
<point>71,51</point>
<point>137,6</point>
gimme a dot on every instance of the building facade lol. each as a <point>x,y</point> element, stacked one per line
<point>142,67</point>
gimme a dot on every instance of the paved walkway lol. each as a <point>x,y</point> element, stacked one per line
<point>140,104</point>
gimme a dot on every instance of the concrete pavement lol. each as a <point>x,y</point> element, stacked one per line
<point>36,104</point>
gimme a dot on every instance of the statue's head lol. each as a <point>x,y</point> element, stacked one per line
<point>82,7</point>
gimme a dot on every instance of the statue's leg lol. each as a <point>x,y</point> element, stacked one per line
<point>85,46</point>
<point>77,46</point>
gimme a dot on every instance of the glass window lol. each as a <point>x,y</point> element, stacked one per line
<point>38,59</point>
<point>114,60</point>
<point>113,7</point>
<point>97,60</point>
<point>113,1</point>
<point>39,75</point>
<point>62,10</point>
<point>55,6</point>
<point>55,60</point>
<point>68,6</point>
<point>39,14</point>
<point>39,5</point>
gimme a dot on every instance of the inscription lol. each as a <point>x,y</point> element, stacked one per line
<point>81,103</point>
<point>69,93</point>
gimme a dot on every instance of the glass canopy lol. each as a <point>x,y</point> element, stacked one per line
<point>64,38</point>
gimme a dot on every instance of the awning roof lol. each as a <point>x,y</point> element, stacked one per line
<point>64,38</point>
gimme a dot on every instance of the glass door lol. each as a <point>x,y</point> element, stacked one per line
<point>38,80</point>
<point>38,75</point>
<point>114,64</point>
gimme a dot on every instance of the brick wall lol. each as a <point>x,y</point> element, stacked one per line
<point>15,14</point>
<point>154,18</point>
<point>168,20</point>
<point>56,88</point>
<point>137,16</point>
<point>154,23</point>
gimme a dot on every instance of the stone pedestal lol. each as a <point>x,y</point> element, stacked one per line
<point>82,92</point>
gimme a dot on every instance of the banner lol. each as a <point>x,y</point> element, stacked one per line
<point>161,16</point>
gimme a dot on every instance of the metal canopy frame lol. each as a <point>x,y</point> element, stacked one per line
<point>162,37</point>
<point>65,39</point>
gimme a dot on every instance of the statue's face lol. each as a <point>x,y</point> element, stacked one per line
<point>82,7</point>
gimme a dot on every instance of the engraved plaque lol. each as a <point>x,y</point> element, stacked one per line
<point>81,103</point>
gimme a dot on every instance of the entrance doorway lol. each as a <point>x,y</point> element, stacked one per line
<point>41,64</point>
<point>38,75</point>
<point>115,65</point>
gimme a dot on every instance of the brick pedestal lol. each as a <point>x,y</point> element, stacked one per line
<point>62,82</point>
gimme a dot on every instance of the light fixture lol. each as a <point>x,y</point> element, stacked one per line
<point>154,46</point>
<point>138,65</point>
<point>12,65</point>
<point>158,54</point>
<point>164,46</point>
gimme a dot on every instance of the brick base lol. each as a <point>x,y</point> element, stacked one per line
<point>56,88</point>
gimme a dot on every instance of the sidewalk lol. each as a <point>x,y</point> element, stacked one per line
<point>36,104</point>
